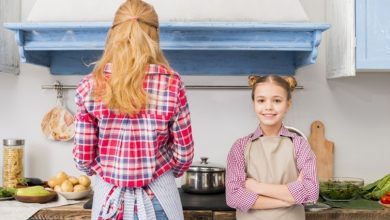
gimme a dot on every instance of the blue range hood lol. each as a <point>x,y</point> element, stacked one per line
<point>192,48</point>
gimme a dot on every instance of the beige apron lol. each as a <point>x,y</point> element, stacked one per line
<point>272,160</point>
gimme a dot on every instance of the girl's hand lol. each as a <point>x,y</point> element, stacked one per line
<point>252,185</point>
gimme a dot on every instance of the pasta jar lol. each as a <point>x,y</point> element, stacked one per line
<point>12,162</point>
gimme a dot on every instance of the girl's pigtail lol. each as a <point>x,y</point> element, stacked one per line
<point>252,80</point>
<point>292,82</point>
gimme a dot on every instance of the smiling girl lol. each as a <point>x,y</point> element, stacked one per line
<point>272,171</point>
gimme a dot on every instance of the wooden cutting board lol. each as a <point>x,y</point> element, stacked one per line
<point>323,149</point>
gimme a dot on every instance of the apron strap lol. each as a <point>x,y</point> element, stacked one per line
<point>130,198</point>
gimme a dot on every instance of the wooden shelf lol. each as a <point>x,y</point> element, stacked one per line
<point>193,48</point>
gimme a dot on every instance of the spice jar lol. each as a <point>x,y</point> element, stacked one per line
<point>12,161</point>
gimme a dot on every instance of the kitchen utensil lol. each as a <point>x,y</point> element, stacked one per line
<point>204,178</point>
<point>37,199</point>
<point>323,149</point>
<point>58,123</point>
<point>316,207</point>
<point>295,130</point>
<point>339,189</point>
<point>75,195</point>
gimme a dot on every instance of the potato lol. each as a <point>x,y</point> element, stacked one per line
<point>52,182</point>
<point>84,180</point>
<point>67,186</point>
<point>57,188</point>
<point>79,188</point>
<point>73,180</point>
<point>61,177</point>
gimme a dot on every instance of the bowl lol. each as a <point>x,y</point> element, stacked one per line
<point>37,199</point>
<point>384,205</point>
<point>341,188</point>
<point>75,195</point>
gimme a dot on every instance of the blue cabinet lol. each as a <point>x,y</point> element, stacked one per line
<point>372,35</point>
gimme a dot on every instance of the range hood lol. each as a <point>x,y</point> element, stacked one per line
<point>193,48</point>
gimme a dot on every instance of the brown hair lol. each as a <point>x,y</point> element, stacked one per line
<point>132,43</point>
<point>288,83</point>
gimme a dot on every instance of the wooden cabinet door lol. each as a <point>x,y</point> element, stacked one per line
<point>227,215</point>
<point>198,215</point>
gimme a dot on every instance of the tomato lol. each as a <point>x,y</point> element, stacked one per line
<point>388,194</point>
<point>385,199</point>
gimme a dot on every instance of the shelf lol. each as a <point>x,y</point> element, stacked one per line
<point>192,48</point>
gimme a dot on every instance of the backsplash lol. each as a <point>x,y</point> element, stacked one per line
<point>355,112</point>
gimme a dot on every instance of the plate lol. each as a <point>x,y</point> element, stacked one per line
<point>315,207</point>
<point>384,205</point>
<point>75,195</point>
<point>6,198</point>
<point>37,199</point>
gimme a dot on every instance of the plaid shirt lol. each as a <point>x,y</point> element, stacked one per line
<point>237,196</point>
<point>131,151</point>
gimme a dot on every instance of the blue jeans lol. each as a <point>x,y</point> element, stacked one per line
<point>160,214</point>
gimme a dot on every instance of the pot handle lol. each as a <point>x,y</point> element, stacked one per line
<point>204,160</point>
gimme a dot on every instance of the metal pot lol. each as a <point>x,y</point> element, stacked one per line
<point>204,178</point>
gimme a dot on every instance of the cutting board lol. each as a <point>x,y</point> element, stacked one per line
<point>323,149</point>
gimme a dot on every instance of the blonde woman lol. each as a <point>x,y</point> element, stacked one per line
<point>133,128</point>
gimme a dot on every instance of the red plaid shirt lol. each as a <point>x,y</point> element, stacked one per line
<point>131,151</point>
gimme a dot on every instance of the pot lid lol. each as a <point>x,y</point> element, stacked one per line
<point>205,166</point>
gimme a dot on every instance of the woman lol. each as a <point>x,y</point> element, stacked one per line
<point>133,128</point>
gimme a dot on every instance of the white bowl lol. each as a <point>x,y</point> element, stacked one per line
<point>75,195</point>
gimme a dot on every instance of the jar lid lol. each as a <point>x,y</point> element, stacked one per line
<point>13,142</point>
<point>205,166</point>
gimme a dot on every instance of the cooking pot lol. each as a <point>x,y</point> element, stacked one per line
<point>204,178</point>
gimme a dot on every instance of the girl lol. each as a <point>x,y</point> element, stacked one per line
<point>272,171</point>
<point>133,127</point>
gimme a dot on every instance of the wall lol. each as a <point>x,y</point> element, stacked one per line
<point>355,112</point>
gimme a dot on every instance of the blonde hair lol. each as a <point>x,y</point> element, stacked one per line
<point>132,43</point>
<point>288,83</point>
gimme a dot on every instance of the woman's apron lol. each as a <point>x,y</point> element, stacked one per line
<point>272,160</point>
<point>164,188</point>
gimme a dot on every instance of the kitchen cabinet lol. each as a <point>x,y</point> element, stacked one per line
<point>372,35</point>
<point>213,207</point>
<point>209,215</point>
<point>359,40</point>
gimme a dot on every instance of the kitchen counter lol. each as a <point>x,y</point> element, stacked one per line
<point>77,212</point>
<point>213,207</point>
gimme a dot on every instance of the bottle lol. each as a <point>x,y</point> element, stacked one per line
<point>13,150</point>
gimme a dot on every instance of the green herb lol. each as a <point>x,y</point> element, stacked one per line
<point>7,192</point>
<point>339,190</point>
<point>377,189</point>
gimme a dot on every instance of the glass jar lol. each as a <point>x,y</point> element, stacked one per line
<point>12,162</point>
